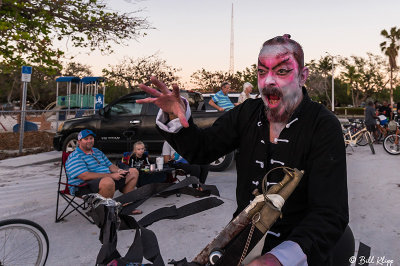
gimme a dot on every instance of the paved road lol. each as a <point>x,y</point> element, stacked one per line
<point>29,191</point>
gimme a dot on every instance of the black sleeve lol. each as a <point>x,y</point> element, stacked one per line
<point>328,214</point>
<point>203,146</point>
<point>147,159</point>
<point>131,160</point>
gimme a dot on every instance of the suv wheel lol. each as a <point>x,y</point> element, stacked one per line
<point>222,163</point>
<point>71,142</point>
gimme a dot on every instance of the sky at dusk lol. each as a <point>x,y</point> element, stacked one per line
<point>194,34</point>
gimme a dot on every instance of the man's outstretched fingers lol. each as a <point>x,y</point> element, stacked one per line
<point>147,100</point>
<point>160,85</point>
<point>175,90</point>
<point>182,119</point>
<point>149,90</point>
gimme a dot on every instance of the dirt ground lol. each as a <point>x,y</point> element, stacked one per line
<point>34,142</point>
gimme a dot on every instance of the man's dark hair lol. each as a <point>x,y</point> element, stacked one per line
<point>224,84</point>
<point>295,46</point>
<point>370,103</point>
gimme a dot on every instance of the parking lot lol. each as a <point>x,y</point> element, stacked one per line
<point>28,188</point>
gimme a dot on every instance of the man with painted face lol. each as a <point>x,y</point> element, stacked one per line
<point>283,128</point>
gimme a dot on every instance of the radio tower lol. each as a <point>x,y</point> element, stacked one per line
<point>231,61</point>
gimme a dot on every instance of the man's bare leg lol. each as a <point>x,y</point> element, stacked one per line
<point>130,184</point>
<point>131,180</point>
<point>107,187</point>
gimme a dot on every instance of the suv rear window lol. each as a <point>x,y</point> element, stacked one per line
<point>126,107</point>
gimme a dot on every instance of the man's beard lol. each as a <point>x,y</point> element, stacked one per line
<point>88,146</point>
<point>288,102</point>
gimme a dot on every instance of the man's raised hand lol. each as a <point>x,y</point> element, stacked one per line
<point>169,102</point>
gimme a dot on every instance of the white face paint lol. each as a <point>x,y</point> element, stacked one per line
<point>279,81</point>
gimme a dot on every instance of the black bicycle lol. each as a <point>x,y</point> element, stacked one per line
<point>22,242</point>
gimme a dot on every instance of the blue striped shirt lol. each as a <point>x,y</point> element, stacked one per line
<point>79,162</point>
<point>223,101</point>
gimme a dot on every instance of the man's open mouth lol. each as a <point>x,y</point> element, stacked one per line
<point>273,100</point>
<point>273,97</point>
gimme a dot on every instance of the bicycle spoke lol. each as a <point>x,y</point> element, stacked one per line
<point>22,243</point>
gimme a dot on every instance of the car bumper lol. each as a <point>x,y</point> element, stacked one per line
<point>57,142</point>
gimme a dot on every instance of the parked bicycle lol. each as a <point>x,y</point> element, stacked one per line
<point>361,137</point>
<point>391,143</point>
<point>22,242</point>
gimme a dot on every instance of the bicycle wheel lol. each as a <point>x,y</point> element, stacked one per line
<point>390,146</point>
<point>22,242</point>
<point>362,140</point>
<point>379,135</point>
<point>369,139</point>
<point>346,140</point>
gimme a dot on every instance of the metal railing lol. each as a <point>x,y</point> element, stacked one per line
<point>37,121</point>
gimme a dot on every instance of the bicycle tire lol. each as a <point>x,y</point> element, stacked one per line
<point>346,138</point>
<point>379,135</point>
<point>371,145</point>
<point>23,243</point>
<point>390,146</point>
<point>362,140</point>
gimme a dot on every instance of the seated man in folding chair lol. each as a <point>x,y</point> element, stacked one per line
<point>90,165</point>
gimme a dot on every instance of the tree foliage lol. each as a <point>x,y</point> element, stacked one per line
<point>131,72</point>
<point>41,90</point>
<point>356,78</point>
<point>319,81</point>
<point>365,76</point>
<point>77,69</point>
<point>391,50</point>
<point>210,81</point>
<point>29,29</point>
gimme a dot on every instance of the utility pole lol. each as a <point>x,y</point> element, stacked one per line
<point>333,86</point>
<point>231,61</point>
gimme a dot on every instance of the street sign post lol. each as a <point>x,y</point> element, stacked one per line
<point>25,78</point>
<point>26,74</point>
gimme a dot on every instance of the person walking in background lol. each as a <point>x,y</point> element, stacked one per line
<point>247,87</point>
<point>220,100</point>
<point>370,117</point>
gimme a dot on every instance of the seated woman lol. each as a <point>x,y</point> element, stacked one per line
<point>176,161</point>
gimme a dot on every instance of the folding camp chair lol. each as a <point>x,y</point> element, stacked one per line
<point>179,172</point>
<point>74,203</point>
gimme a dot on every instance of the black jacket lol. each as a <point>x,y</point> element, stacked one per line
<point>316,214</point>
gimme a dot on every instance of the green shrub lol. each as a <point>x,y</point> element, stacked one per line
<point>349,110</point>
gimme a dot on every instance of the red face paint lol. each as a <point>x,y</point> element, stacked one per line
<point>279,82</point>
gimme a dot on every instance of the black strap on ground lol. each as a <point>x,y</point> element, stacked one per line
<point>363,251</point>
<point>183,262</point>
<point>145,244</point>
<point>178,213</point>
<point>135,198</point>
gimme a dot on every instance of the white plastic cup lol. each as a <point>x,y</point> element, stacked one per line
<point>152,167</point>
<point>160,163</point>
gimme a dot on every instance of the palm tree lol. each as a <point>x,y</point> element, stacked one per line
<point>391,49</point>
<point>351,76</point>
